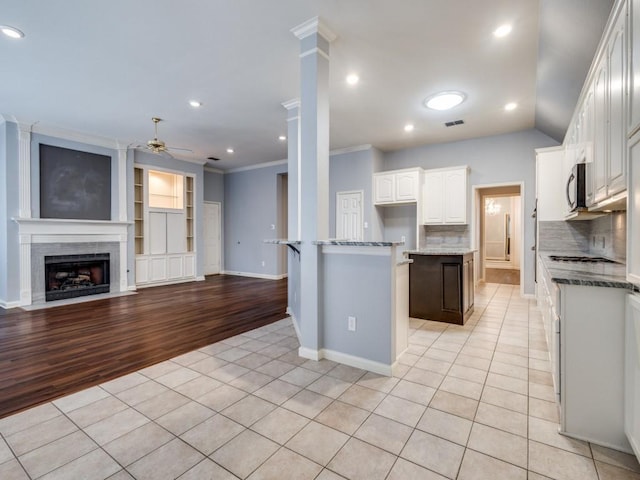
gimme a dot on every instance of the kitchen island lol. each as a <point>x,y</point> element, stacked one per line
<point>441,284</point>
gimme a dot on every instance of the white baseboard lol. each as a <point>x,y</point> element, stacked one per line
<point>165,282</point>
<point>294,320</point>
<point>200,278</point>
<point>132,288</point>
<point>8,305</point>
<point>346,359</point>
<point>529,296</point>
<point>265,276</point>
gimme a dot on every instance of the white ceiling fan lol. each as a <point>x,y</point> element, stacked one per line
<point>158,146</point>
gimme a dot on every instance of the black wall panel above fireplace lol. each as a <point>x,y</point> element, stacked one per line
<point>74,184</point>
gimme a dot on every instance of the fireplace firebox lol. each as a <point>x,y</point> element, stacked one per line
<point>70,276</point>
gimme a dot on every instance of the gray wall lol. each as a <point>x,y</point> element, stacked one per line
<point>3,210</point>
<point>250,208</point>
<point>354,171</point>
<point>213,187</point>
<point>497,159</point>
<point>359,286</point>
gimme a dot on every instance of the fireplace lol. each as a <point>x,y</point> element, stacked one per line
<point>70,276</point>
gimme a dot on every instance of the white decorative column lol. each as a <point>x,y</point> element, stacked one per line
<point>24,208</point>
<point>24,160</point>
<point>313,208</point>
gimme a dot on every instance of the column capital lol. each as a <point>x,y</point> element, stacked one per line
<point>313,26</point>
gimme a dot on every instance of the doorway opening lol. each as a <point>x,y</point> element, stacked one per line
<point>499,234</point>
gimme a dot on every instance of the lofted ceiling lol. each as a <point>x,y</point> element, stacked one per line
<point>106,68</point>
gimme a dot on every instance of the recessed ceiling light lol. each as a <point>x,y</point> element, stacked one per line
<point>11,32</point>
<point>502,31</point>
<point>510,106</point>
<point>353,79</point>
<point>444,100</point>
<point>195,103</point>
<point>409,127</point>
<point>282,138</point>
<point>229,150</point>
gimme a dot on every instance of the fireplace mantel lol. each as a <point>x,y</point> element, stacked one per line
<point>67,231</point>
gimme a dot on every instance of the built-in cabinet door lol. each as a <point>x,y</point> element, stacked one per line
<point>633,213</point>
<point>455,197</point>
<point>616,171</point>
<point>598,174</point>
<point>384,187</point>
<point>433,197</point>
<point>634,87</point>
<point>407,186</point>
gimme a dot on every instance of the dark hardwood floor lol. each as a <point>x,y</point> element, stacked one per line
<point>45,354</point>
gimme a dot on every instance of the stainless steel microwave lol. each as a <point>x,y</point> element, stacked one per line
<point>577,188</point>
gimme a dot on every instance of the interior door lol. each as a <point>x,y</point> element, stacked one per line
<point>212,227</point>
<point>349,215</point>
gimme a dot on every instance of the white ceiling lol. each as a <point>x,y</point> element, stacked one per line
<point>106,68</point>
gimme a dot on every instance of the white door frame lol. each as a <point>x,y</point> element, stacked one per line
<point>476,215</point>
<point>221,237</point>
<point>351,192</point>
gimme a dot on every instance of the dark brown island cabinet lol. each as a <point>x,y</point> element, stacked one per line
<point>441,287</point>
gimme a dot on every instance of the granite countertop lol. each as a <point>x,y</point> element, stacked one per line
<point>349,243</point>
<point>441,251</point>
<point>612,275</point>
<point>282,241</point>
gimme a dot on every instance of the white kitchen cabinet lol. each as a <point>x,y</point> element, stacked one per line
<point>444,196</point>
<point>632,373</point>
<point>550,184</point>
<point>634,66</point>
<point>607,173</point>
<point>633,213</point>
<point>584,326</point>
<point>396,187</point>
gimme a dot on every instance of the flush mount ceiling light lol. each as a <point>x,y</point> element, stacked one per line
<point>502,31</point>
<point>353,79</point>
<point>409,127</point>
<point>444,100</point>
<point>11,32</point>
<point>229,150</point>
<point>510,106</point>
<point>195,103</point>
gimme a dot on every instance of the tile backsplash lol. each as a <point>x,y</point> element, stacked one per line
<point>445,235</point>
<point>604,236</point>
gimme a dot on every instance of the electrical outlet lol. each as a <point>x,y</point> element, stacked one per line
<point>351,324</point>
<point>366,224</point>
<point>403,239</point>
<point>273,227</point>
<point>263,263</point>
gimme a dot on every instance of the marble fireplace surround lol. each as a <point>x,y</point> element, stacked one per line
<point>41,237</point>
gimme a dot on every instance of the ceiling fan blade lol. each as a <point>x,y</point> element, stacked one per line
<point>180,149</point>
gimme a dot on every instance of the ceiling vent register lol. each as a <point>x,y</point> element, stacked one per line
<point>454,123</point>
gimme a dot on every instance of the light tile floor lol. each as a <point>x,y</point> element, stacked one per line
<point>472,402</point>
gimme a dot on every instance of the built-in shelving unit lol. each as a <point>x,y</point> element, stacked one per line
<point>138,209</point>
<point>189,212</point>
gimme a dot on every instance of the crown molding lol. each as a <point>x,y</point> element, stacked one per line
<point>256,166</point>
<point>213,170</point>
<point>74,136</point>
<point>311,26</point>
<point>357,148</point>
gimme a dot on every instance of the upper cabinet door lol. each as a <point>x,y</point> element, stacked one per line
<point>634,77</point>
<point>455,189</point>
<point>384,187</point>
<point>616,174</point>
<point>433,197</point>
<point>599,169</point>
<point>407,184</point>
